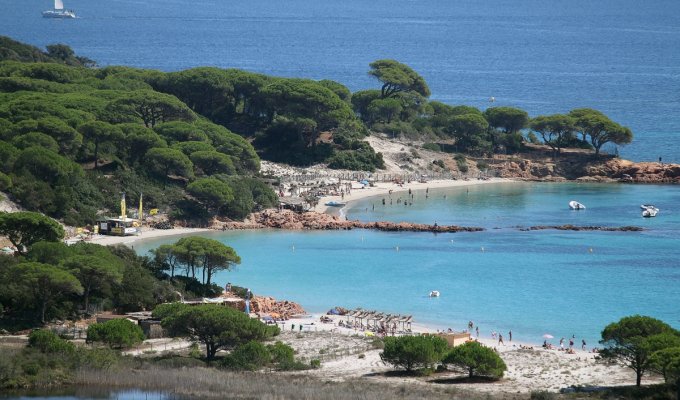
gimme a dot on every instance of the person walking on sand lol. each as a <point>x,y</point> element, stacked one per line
<point>510,336</point>
<point>583,344</point>
<point>500,340</point>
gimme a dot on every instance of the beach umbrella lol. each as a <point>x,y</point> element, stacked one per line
<point>548,336</point>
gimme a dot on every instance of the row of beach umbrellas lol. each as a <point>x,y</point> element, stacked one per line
<point>379,319</point>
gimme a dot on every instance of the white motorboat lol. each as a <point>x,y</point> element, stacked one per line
<point>575,205</point>
<point>434,293</point>
<point>648,210</point>
<point>59,11</point>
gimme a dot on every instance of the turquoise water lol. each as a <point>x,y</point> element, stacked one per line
<point>531,282</point>
<point>545,56</point>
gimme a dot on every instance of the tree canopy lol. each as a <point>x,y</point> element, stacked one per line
<point>45,283</point>
<point>632,340</point>
<point>413,352</point>
<point>217,327</point>
<point>25,228</point>
<point>477,359</point>
<point>397,77</point>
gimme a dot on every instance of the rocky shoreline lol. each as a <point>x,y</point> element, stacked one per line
<point>290,220</point>
<point>585,168</point>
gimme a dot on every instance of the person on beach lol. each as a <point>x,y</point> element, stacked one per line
<point>292,327</point>
<point>562,343</point>
<point>583,344</point>
<point>470,324</point>
<point>477,331</point>
<point>300,327</point>
<point>500,340</point>
<point>571,344</point>
<point>510,336</point>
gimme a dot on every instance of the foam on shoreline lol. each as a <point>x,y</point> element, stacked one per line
<point>384,188</point>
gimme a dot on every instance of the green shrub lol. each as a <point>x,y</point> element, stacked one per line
<point>413,352</point>
<point>533,139</point>
<point>432,147</point>
<point>48,342</point>
<point>5,182</point>
<point>482,165</point>
<point>179,362</point>
<point>315,364</point>
<point>251,356</point>
<point>476,359</point>
<point>542,395</point>
<point>117,333</point>
<point>281,354</point>
<point>439,163</point>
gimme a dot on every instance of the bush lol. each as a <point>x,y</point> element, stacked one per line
<point>48,342</point>
<point>439,163</point>
<point>542,395</point>
<point>476,359</point>
<point>533,139</point>
<point>315,364</point>
<point>482,165</point>
<point>281,354</point>
<point>251,356</point>
<point>413,352</point>
<point>117,333</point>
<point>432,147</point>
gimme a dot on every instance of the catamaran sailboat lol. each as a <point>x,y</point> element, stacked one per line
<point>59,11</point>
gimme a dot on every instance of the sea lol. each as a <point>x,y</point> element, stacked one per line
<point>561,283</point>
<point>545,56</point>
<point>549,56</point>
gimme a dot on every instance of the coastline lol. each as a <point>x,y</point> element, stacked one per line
<point>383,189</point>
<point>147,233</point>
<point>347,355</point>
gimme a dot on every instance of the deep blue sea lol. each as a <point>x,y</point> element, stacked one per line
<point>557,282</point>
<point>546,56</point>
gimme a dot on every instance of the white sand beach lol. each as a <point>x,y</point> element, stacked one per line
<point>349,354</point>
<point>147,233</point>
<point>383,189</point>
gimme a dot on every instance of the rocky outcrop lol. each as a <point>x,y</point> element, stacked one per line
<point>276,309</point>
<point>583,167</point>
<point>641,172</point>
<point>584,228</point>
<point>286,219</point>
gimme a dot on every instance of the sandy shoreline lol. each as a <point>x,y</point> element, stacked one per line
<point>348,354</point>
<point>384,188</point>
<point>147,233</point>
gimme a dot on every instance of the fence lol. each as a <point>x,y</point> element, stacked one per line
<point>378,177</point>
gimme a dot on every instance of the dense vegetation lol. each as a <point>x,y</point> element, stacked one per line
<point>54,281</point>
<point>73,137</point>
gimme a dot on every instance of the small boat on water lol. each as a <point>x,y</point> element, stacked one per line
<point>434,293</point>
<point>575,205</point>
<point>59,11</point>
<point>335,204</point>
<point>648,210</point>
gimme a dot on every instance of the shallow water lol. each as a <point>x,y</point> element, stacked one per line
<point>559,282</point>
<point>547,56</point>
<point>81,393</point>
